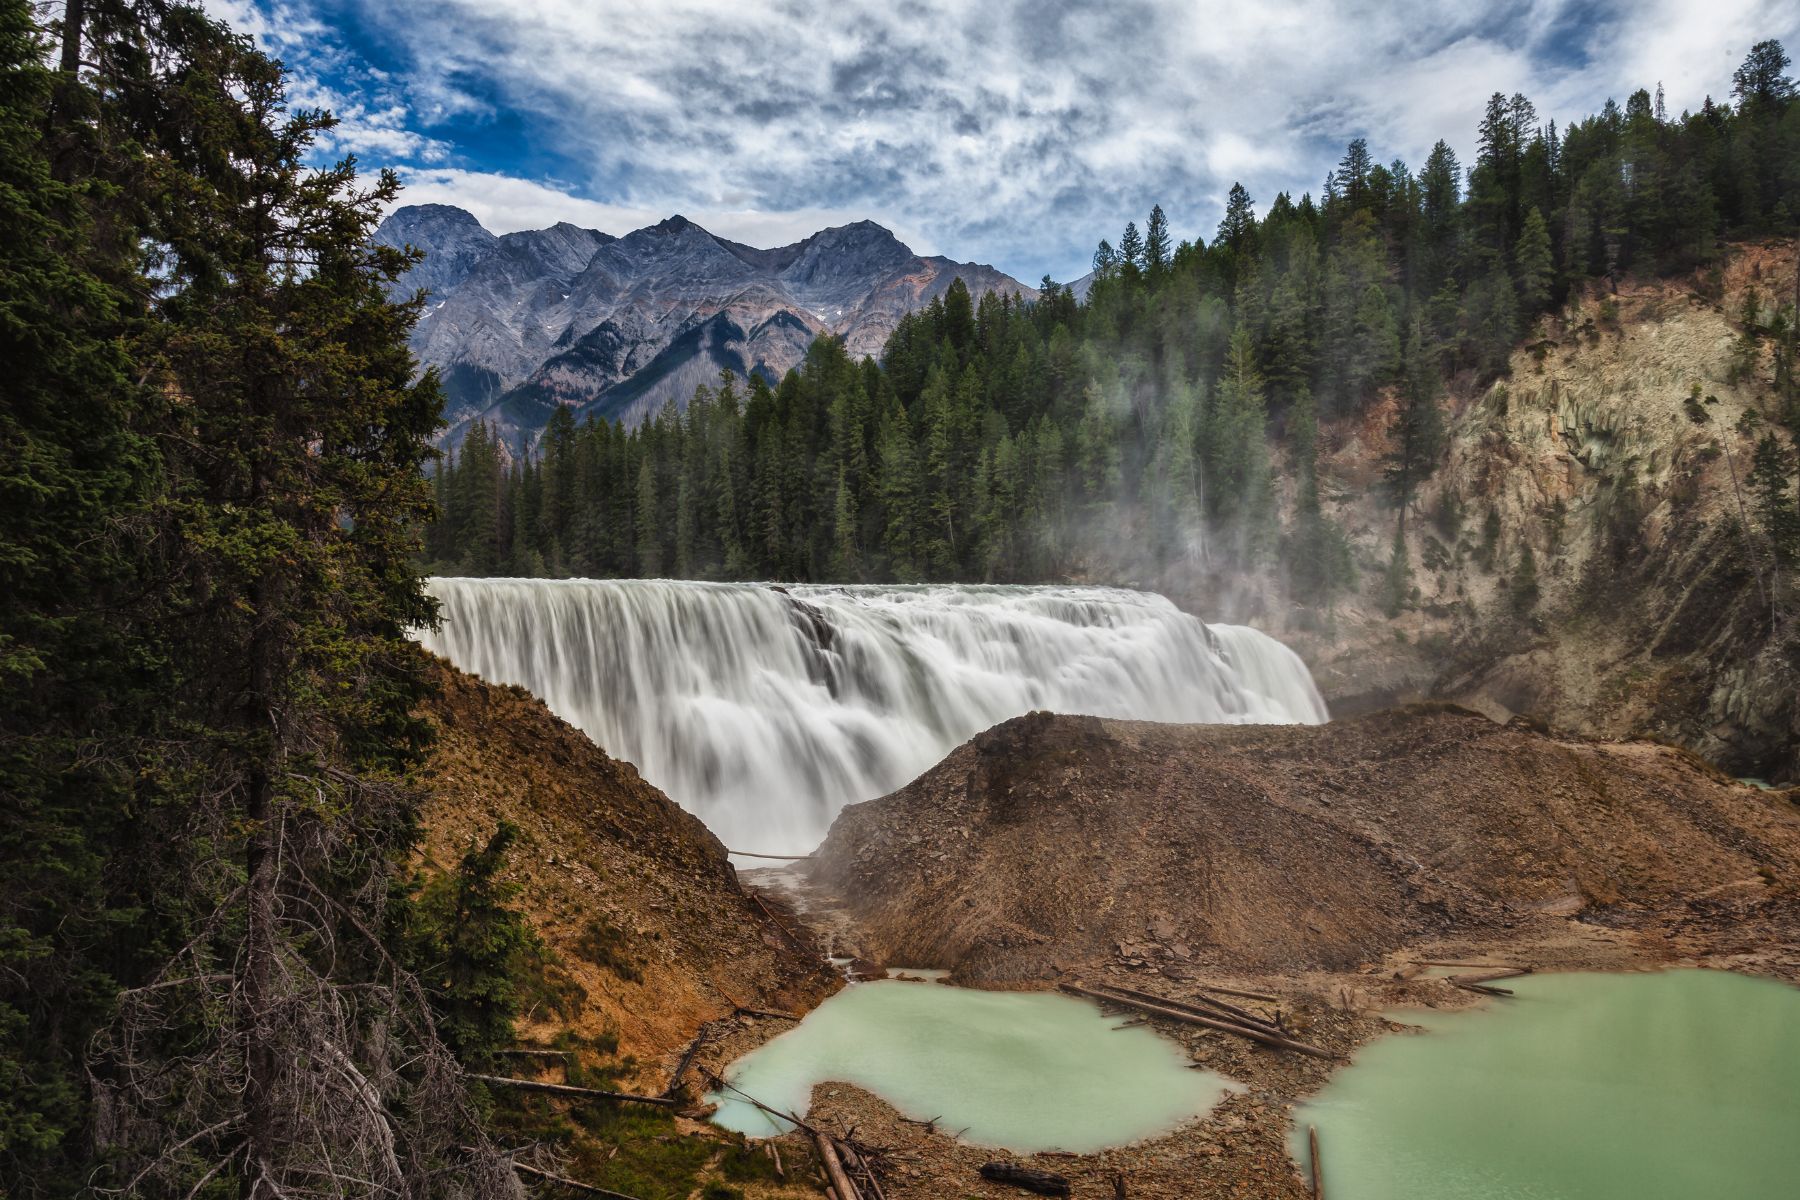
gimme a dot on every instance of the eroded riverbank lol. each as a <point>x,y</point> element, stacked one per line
<point>1241,1147</point>
<point>1324,867</point>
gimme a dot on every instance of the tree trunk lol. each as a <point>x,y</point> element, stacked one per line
<point>1042,1183</point>
<point>834,1168</point>
<point>261,1061</point>
<point>74,17</point>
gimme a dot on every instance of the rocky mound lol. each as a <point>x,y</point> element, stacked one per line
<point>1049,843</point>
<point>635,898</point>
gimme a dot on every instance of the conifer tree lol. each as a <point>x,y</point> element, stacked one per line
<point>1156,243</point>
<point>1532,258</point>
<point>277,1041</point>
<point>1416,439</point>
<point>1131,248</point>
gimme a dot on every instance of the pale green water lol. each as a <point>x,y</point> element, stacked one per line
<point>1678,1086</point>
<point>1022,1070</point>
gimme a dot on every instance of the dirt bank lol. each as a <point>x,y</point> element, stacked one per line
<point>1048,842</point>
<point>634,897</point>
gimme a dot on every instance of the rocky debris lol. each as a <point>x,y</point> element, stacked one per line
<point>1050,842</point>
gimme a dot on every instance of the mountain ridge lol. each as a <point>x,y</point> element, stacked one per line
<point>521,323</point>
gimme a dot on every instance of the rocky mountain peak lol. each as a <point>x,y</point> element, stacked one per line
<point>616,326</point>
<point>452,239</point>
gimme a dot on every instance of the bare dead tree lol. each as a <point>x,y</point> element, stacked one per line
<point>283,1046</point>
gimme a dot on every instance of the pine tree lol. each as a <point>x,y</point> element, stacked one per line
<point>1131,248</point>
<point>467,944</point>
<point>277,1042</point>
<point>1532,259</point>
<point>1156,243</point>
<point>1239,223</point>
<point>649,523</point>
<point>1417,436</point>
<point>1353,174</point>
<point>78,480</point>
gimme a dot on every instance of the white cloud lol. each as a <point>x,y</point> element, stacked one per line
<point>1018,131</point>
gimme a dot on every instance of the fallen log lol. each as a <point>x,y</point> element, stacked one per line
<point>1225,991</point>
<point>687,1059</point>
<point>574,1185</point>
<point>776,921</point>
<point>1312,1146</point>
<point>776,1013</point>
<point>719,1081</point>
<point>860,1163</point>
<point>1490,976</point>
<point>776,857</point>
<point>1427,962</point>
<point>1483,988</point>
<point>834,1166</point>
<point>1204,1007</point>
<point>1176,1014</point>
<point>1041,1183</point>
<point>574,1093</point>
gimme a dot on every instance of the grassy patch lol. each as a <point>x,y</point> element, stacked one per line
<point>603,944</point>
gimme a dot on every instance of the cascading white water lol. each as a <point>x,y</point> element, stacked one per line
<point>764,710</point>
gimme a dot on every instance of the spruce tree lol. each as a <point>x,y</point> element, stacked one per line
<point>1131,248</point>
<point>78,652</point>
<point>278,1041</point>
<point>1156,243</point>
<point>1535,268</point>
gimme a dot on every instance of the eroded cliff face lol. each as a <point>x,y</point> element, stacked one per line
<point>1653,613</point>
<point>633,896</point>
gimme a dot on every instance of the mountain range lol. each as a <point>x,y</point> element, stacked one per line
<point>615,327</point>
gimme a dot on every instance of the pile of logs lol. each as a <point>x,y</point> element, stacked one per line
<point>849,1166</point>
<point>847,1169</point>
<point>1207,1012</point>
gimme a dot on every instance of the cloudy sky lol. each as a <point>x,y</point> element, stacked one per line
<point>1016,132</point>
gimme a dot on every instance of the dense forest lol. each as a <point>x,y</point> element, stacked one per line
<point>212,451</point>
<point>1013,440</point>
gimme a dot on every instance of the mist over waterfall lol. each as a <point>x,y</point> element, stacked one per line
<point>764,710</point>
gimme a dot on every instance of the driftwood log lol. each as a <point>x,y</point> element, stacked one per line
<point>1042,1183</point>
<point>573,1093</point>
<point>1486,989</point>
<point>1278,1041</point>
<point>1490,976</point>
<point>834,1167</point>
<point>1312,1148</point>
<point>774,920</point>
<point>1225,991</point>
<point>1205,1007</point>
<point>687,1060</point>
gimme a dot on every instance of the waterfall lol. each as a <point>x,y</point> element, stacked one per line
<point>764,710</point>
